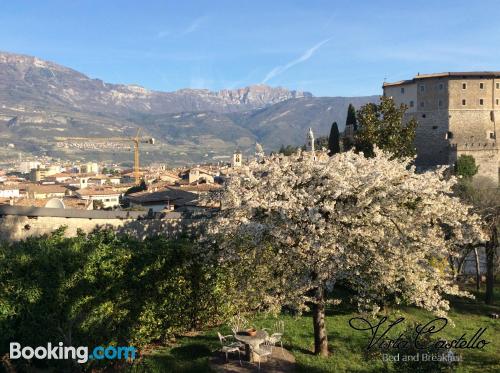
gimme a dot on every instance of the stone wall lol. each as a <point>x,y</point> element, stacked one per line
<point>17,224</point>
<point>408,96</point>
<point>14,228</point>
<point>447,128</point>
<point>472,122</point>
<point>486,157</point>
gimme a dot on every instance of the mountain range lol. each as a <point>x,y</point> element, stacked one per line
<point>41,101</point>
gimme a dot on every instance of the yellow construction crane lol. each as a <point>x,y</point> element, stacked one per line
<point>136,140</point>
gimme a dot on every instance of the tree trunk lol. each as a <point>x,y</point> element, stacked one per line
<point>320,337</point>
<point>478,270</point>
<point>491,248</point>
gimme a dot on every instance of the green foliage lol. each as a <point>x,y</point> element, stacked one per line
<point>103,288</point>
<point>429,348</point>
<point>351,116</point>
<point>349,345</point>
<point>288,150</point>
<point>97,204</point>
<point>334,140</point>
<point>382,125</point>
<point>137,188</point>
<point>321,142</point>
<point>110,171</point>
<point>466,166</point>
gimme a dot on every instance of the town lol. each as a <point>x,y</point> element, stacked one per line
<point>242,187</point>
<point>456,115</point>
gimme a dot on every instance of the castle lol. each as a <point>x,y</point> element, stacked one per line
<point>457,113</point>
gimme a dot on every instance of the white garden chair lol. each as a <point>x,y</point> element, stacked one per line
<point>275,337</point>
<point>264,350</point>
<point>238,323</point>
<point>229,347</point>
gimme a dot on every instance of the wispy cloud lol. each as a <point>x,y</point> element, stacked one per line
<point>304,57</point>
<point>193,26</point>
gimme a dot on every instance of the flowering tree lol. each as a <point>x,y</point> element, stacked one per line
<point>292,227</point>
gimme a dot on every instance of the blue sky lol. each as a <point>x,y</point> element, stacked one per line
<point>330,48</point>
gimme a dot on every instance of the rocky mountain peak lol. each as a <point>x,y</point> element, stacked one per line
<point>33,79</point>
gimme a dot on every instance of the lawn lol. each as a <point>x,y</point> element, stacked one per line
<point>190,353</point>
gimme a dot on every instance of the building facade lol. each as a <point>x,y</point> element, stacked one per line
<point>457,113</point>
<point>108,197</point>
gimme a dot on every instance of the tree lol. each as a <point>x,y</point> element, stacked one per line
<point>466,166</point>
<point>485,197</point>
<point>334,140</point>
<point>292,228</point>
<point>97,204</point>
<point>383,125</point>
<point>351,117</point>
<point>102,288</point>
<point>137,188</point>
<point>321,142</point>
<point>288,150</point>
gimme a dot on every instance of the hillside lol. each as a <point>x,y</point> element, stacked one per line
<point>41,100</point>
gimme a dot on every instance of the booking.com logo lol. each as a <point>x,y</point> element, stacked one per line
<point>80,354</point>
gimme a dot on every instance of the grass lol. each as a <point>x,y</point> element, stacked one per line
<point>190,354</point>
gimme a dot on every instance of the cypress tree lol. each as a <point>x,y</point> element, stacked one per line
<point>351,117</point>
<point>334,140</point>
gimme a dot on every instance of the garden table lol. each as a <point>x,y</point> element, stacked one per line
<point>253,341</point>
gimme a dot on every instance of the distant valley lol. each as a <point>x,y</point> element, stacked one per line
<point>41,100</point>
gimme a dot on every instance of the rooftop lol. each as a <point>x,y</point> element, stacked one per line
<point>50,188</point>
<point>69,202</point>
<point>199,187</point>
<point>176,196</point>
<point>490,74</point>
<point>98,192</point>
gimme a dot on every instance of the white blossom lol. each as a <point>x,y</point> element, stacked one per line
<point>290,224</point>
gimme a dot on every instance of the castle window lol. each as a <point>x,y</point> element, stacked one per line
<point>481,85</point>
<point>434,127</point>
<point>422,87</point>
<point>422,104</point>
<point>449,135</point>
<point>411,103</point>
<point>481,101</point>
<point>441,86</point>
<point>440,103</point>
<point>464,85</point>
<point>496,101</point>
<point>498,85</point>
<point>402,90</point>
<point>492,135</point>
<point>464,102</point>
<point>423,115</point>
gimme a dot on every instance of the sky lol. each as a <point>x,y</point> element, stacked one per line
<point>328,48</point>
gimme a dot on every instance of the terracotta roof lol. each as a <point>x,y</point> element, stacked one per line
<point>40,188</point>
<point>202,170</point>
<point>5,201</point>
<point>200,187</point>
<point>465,74</point>
<point>172,195</point>
<point>30,202</point>
<point>63,174</point>
<point>75,203</point>
<point>97,192</point>
<point>69,202</point>
<point>8,187</point>
<point>170,174</point>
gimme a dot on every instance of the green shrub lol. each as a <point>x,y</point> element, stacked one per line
<point>466,166</point>
<point>102,288</point>
<point>445,359</point>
